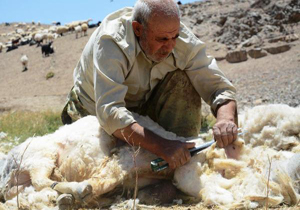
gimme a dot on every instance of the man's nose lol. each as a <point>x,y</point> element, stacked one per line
<point>170,44</point>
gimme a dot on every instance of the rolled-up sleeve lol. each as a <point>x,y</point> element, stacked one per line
<point>110,70</point>
<point>208,80</point>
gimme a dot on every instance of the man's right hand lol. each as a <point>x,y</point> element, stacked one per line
<point>175,153</point>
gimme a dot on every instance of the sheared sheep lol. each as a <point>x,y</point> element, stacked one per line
<point>81,162</point>
<point>24,61</point>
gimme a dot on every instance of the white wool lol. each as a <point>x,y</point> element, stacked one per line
<point>78,29</point>
<point>275,125</point>
<point>31,199</point>
<point>24,60</point>
<point>247,177</point>
<point>129,204</point>
<point>191,171</point>
<point>213,193</point>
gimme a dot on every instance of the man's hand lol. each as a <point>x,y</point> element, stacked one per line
<point>225,129</point>
<point>175,153</point>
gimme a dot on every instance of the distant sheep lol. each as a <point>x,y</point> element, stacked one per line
<point>82,162</point>
<point>84,28</point>
<point>53,29</point>
<point>62,29</point>
<point>39,37</point>
<point>24,61</point>
<point>95,24</point>
<point>81,29</point>
<point>25,40</point>
<point>50,37</point>
<point>10,47</point>
<point>56,23</point>
<point>15,40</point>
<point>1,46</point>
<point>78,30</point>
<point>73,24</point>
<point>47,49</point>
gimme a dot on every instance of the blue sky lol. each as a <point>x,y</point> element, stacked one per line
<point>64,11</point>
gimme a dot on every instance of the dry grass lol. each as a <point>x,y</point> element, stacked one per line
<point>16,127</point>
<point>18,172</point>
<point>134,156</point>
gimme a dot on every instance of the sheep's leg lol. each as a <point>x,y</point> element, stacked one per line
<point>82,191</point>
<point>13,192</point>
<point>16,184</point>
<point>40,179</point>
<point>103,186</point>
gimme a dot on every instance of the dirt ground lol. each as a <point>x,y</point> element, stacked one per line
<point>30,90</point>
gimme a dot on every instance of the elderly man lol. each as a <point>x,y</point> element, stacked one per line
<point>145,60</point>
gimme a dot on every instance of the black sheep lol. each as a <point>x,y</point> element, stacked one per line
<point>47,49</point>
<point>11,47</point>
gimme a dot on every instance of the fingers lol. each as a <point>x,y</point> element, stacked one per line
<point>217,136</point>
<point>190,145</point>
<point>225,133</point>
<point>181,156</point>
<point>180,161</point>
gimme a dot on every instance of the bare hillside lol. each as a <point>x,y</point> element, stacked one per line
<point>230,29</point>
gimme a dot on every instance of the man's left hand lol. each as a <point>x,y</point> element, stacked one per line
<point>225,132</point>
<point>225,129</point>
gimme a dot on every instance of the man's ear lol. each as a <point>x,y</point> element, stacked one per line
<point>137,28</point>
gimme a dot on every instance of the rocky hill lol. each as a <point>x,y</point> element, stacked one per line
<point>256,44</point>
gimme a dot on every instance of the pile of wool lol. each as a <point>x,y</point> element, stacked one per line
<point>262,166</point>
<point>275,125</point>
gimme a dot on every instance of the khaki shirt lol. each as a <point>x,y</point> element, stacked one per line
<point>114,74</point>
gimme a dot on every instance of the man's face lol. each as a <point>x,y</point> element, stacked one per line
<point>159,38</point>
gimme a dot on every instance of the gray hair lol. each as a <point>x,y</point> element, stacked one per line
<point>144,9</point>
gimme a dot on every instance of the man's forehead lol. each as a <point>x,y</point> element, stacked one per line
<point>164,25</point>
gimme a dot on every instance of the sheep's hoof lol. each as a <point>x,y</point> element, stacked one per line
<point>84,190</point>
<point>65,202</point>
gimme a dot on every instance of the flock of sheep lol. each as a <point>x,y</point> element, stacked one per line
<point>35,34</point>
<point>79,164</point>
